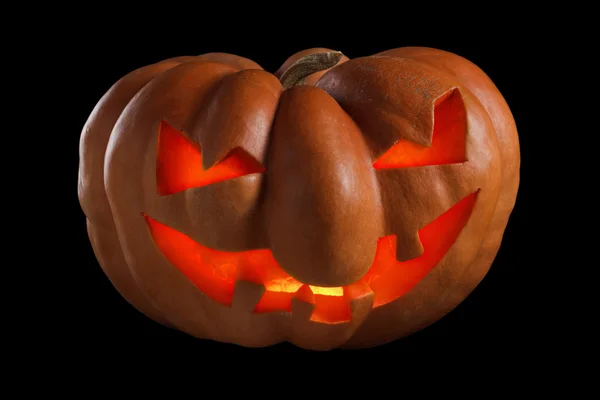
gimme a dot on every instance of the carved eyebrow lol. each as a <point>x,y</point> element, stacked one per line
<point>448,141</point>
<point>179,163</point>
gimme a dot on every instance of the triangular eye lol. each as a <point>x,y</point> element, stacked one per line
<point>448,141</point>
<point>179,163</point>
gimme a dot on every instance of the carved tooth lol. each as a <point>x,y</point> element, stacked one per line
<point>303,303</point>
<point>408,246</point>
<point>361,297</point>
<point>246,294</point>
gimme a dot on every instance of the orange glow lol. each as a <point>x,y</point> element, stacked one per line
<point>448,141</point>
<point>214,272</point>
<point>389,279</point>
<point>179,163</point>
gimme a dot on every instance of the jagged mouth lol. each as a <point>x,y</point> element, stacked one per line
<point>216,272</point>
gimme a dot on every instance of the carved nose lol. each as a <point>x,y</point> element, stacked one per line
<point>323,207</point>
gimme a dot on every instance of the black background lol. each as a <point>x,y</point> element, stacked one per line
<point>499,316</point>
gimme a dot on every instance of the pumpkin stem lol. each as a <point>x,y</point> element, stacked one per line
<point>309,64</point>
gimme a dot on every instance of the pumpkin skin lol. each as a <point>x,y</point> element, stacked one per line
<point>317,185</point>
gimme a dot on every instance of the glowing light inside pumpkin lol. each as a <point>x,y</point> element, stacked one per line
<point>179,163</point>
<point>448,141</point>
<point>214,272</point>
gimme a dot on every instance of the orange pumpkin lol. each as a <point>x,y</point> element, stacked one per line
<point>335,203</point>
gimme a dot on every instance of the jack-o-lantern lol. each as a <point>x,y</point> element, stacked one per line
<point>335,203</point>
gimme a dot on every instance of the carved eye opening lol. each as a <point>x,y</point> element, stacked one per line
<point>179,163</point>
<point>448,141</point>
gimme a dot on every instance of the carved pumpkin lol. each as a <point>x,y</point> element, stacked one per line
<point>328,207</point>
